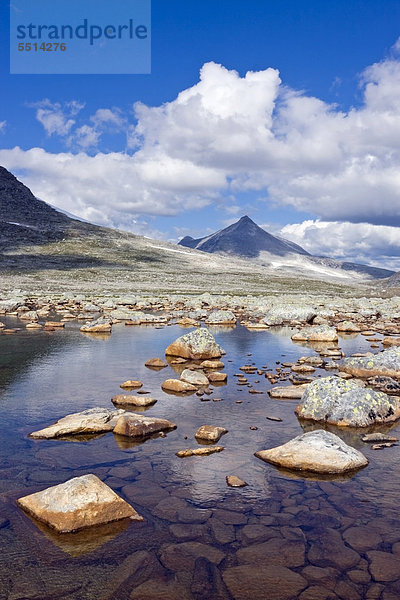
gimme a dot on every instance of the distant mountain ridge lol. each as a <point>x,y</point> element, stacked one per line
<point>246,239</point>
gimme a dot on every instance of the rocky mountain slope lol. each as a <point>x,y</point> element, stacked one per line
<point>246,239</point>
<point>43,249</point>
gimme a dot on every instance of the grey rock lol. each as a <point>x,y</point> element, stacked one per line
<point>345,403</point>
<point>316,451</point>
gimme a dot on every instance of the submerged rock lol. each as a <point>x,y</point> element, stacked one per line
<point>198,344</point>
<point>138,426</point>
<point>346,403</point>
<point>93,420</point>
<point>319,333</point>
<point>385,363</point>
<point>316,451</point>
<point>80,502</point>
<point>209,433</point>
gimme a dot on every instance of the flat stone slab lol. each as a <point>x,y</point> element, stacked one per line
<point>78,503</point>
<point>318,333</point>
<point>93,420</point>
<point>139,426</point>
<point>290,392</point>
<point>316,451</point>
<point>346,403</point>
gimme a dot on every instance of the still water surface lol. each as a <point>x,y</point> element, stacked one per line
<point>340,538</point>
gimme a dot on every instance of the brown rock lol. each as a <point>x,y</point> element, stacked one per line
<point>181,557</point>
<point>54,324</point>
<point>383,566</point>
<point>138,426</point>
<point>362,538</point>
<point>129,400</point>
<point>217,377</point>
<point>290,392</point>
<point>80,502</point>
<point>199,451</point>
<point>317,592</point>
<point>175,385</point>
<point>272,581</point>
<point>212,364</point>
<point>209,433</point>
<point>234,481</point>
<point>131,384</point>
<point>329,550</point>
<point>391,341</point>
<point>276,551</point>
<point>156,363</point>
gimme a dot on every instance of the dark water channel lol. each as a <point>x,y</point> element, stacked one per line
<point>281,537</point>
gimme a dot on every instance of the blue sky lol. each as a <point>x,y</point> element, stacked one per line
<point>307,144</point>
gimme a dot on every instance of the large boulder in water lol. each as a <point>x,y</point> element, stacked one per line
<point>288,312</point>
<point>80,502</point>
<point>198,344</point>
<point>386,363</point>
<point>347,404</point>
<point>316,451</point>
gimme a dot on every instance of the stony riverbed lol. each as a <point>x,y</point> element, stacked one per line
<point>285,535</point>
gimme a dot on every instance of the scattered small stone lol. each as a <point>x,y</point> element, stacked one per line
<point>378,437</point>
<point>383,445</point>
<point>253,428</point>
<point>156,363</point>
<point>199,451</point>
<point>234,481</point>
<point>272,418</point>
<point>131,384</point>
<point>129,400</point>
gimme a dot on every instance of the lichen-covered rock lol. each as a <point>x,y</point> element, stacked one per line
<point>196,378</point>
<point>287,312</point>
<point>222,317</point>
<point>316,451</point>
<point>93,420</point>
<point>198,344</point>
<point>385,384</point>
<point>385,363</point>
<point>346,403</point>
<point>78,503</point>
<point>318,333</point>
<point>139,426</point>
<point>348,327</point>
